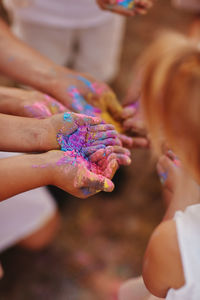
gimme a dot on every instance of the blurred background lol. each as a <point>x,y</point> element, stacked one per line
<point>102,239</point>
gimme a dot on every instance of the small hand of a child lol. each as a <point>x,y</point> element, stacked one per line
<point>126,7</point>
<point>84,176</point>
<point>71,172</point>
<point>110,158</point>
<point>76,131</point>
<point>134,124</point>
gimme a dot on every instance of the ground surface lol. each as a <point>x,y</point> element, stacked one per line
<point>102,239</point>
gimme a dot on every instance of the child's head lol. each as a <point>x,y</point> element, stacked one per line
<point>171,97</point>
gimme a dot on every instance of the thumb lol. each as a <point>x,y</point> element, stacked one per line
<point>113,105</point>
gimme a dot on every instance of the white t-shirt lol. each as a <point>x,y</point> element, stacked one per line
<point>188,231</point>
<point>60,13</point>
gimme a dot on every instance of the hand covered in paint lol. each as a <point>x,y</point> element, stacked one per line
<point>109,159</point>
<point>84,175</point>
<point>126,7</point>
<point>83,94</point>
<point>28,103</point>
<point>134,124</point>
<point>70,131</point>
<point>75,175</point>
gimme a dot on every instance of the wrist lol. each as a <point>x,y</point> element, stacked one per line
<point>8,101</point>
<point>57,84</point>
<point>42,167</point>
<point>48,137</point>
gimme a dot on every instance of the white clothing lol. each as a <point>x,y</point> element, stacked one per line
<point>99,35</point>
<point>191,5</point>
<point>99,47</point>
<point>58,13</point>
<point>188,232</point>
<point>24,214</point>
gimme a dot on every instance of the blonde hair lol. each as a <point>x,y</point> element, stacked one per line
<point>171,95</point>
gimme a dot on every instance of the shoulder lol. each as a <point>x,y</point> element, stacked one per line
<point>162,266</point>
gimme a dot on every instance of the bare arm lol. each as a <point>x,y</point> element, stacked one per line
<point>28,103</point>
<point>162,266</point>
<point>22,134</point>
<point>17,174</point>
<point>22,63</point>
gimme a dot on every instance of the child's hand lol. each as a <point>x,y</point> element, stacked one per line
<point>72,173</point>
<point>85,176</point>
<point>126,7</point>
<point>79,132</point>
<point>133,119</point>
<point>28,103</point>
<point>133,123</point>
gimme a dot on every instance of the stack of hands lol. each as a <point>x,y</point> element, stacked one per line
<point>90,170</point>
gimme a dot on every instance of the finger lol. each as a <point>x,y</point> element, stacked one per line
<point>98,183</point>
<point>128,111</point>
<point>82,120</point>
<point>120,150</point>
<point>139,142</point>
<point>113,105</point>
<point>109,142</point>
<point>103,163</point>
<point>134,125</point>
<point>103,153</point>
<point>163,167</point>
<point>89,150</point>
<point>103,135</point>
<point>126,140</point>
<point>102,127</point>
<point>99,154</point>
<point>174,158</point>
<point>111,169</point>
<point>123,160</point>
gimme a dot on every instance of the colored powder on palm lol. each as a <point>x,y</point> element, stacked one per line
<point>79,104</point>
<point>76,143</point>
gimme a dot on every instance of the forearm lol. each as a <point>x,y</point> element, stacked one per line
<point>23,134</point>
<point>9,101</point>
<point>20,173</point>
<point>24,64</point>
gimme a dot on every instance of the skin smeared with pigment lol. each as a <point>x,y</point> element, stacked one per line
<point>45,108</point>
<point>91,154</point>
<point>127,4</point>
<point>77,145</point>
<point>82,104</point>
<point>79,103</point>
<point>177,163</point>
